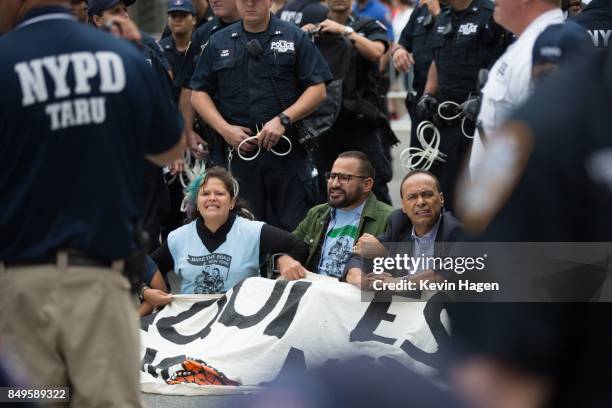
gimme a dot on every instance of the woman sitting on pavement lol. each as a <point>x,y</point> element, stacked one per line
<point>221,244</point>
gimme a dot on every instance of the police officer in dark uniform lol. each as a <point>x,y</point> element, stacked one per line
<point>597,19</point>
<point>72,149</point>
<point>181,14</point>
<point>415,49</point>
<point>226,13</point>
<point>361,122</point>
<point>550,169</point>
<point>203,15</point>
<point>263,73</point>
<point>156,193</point>
<point>465,40</point>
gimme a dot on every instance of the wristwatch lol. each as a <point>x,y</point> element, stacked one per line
<point>285,120</point>
<point>348,31</point>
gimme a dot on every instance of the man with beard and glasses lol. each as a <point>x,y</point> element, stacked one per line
<point>330,230</point>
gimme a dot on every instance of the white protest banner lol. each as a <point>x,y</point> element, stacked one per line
<point>198,345</point>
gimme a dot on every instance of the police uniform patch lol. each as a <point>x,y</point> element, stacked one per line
<point>282,46</point>
<point>468,28</point>
<point>225,53</point>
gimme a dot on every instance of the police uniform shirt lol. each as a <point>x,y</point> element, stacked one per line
<point>240,84</point>
<point>465,41</point>
<point>416,38</point>
<point>510,80</point>
<point>597,19</point>
<point>367,71</point>
<point>198,42</point>
<point>177,61</point>
<point>150,43</point>
<point>565,194</point>
<point>302,12</point>
<point>73,127</point>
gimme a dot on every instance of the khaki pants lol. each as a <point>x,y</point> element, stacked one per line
<point>73,326</point>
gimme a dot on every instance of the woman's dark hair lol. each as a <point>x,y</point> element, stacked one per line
<point>231,185</point>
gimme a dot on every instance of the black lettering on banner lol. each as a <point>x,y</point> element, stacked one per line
<point>279,326</point>
<point>231,317</point>
<point>163,368</point>
<point>164,365</point>
<point>165,326</point>
<point>146,321</point>
<point>374,314</point>
<point>432,312</point>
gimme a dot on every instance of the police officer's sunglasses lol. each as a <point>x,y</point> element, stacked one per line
<point>342,178</point>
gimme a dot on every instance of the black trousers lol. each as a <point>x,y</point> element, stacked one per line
<point>456,147</point>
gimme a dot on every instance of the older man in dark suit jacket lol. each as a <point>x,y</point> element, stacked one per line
<point>421,222</point>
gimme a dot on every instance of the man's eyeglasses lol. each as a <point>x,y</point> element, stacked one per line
<point>342,178</point>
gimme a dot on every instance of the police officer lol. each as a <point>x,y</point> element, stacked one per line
<point>202,16</point>
<point>181,20</point>
<point>156,193</point>
<point>226,13</point>
<point>509,81</point>
<point>546,178</point>
<point>72,145</point>
<point>263,73</point>
<point>597,19</point>
<point>415,50</point>
<point>358,126</point>
<point>465,40</point>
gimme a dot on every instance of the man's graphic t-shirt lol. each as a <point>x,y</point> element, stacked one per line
<point>339,240</point>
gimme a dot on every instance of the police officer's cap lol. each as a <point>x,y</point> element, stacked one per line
<point>98,6</point>
<point>558,43</point>
<point>181,5</point>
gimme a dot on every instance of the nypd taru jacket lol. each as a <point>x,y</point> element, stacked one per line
<point>374,220</point>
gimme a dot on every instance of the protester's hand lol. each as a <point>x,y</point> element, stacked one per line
<point>331,27</point>
<point>426,107</point>
<point>234,135</point>
<point>156,297</point>
<point>290,268</point>
<point>271,133</point>
<point>309,28</point>
<point>402,59</point>
<point>124,28</point>
<point>369,247</point>
<point>197,146</point>
<point>432,5</point>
